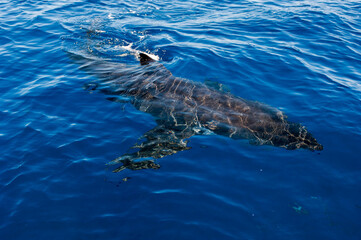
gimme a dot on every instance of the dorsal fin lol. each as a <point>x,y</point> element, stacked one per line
<point>145,59</point>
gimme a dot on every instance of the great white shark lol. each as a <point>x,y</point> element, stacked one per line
<point>184,108</point>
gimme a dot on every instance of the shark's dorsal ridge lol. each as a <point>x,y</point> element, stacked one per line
<point>145,59</point>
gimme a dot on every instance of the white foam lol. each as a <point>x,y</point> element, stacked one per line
<point>128,48</point>
<point>137,52</point>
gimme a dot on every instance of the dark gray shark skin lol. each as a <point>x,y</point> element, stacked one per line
<point>183,108</point>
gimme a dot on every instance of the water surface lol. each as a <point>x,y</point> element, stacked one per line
<point>302,57</point>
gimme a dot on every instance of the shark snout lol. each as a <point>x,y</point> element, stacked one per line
<point>311,143</point>
<point>318,147</point>
<point>300,138</point>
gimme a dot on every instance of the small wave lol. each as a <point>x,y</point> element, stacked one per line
<point>136,52</point>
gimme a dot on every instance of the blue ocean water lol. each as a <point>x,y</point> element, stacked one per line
<point>303,57</point>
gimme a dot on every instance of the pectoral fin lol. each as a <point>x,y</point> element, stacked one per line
<point>159,142</point>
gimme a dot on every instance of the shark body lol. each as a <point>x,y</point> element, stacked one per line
<point>183,108</point>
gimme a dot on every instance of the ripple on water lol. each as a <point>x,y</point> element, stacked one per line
<point>302,57</point>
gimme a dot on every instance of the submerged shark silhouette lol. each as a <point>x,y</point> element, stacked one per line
<point>184,108</point>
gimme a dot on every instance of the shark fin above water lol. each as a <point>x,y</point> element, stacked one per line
<point>145,59</point>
